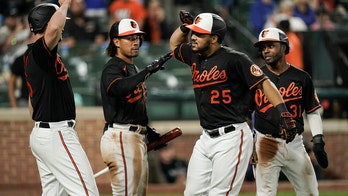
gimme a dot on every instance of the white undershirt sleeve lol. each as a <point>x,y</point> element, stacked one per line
<point>315,123</point>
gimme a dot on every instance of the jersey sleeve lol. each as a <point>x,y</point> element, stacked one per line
<point>183,53</point>
<point>251,72</point>
<point>46,62</point>
<point>110,75</point>
<point>310,98</point>
<point>17,66</point>
<point>118,81</point>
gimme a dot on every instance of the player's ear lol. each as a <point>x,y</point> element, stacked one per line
<point>116,42</point>
<point>215,38</point>
<point>283,48</point>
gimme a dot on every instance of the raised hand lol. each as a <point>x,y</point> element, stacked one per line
<point>158,63</point>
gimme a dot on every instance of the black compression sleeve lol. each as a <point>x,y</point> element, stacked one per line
<point>125,86</point>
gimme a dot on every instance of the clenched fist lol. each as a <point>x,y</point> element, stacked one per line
<point>288,127</point>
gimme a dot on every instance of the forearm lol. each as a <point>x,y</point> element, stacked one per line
<point>272,93</point>
<point>55,27</point>
<point>315,123</point>
<point>177,38</point>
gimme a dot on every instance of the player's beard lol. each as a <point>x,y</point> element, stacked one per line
<point>133,53</point>
<point>201,49</point>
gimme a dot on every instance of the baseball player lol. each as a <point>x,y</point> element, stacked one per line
<point>123,144</point>
<point>275,154</point>
<point>63,164</point>
<point>222,81</point>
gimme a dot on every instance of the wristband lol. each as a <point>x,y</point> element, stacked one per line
<point>318,139</point>
<point>282,108</point>
<point>184,29</point>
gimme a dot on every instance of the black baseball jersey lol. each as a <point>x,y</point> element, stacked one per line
<point>297,90</point>
<point>123,93</point>
<point>17,69</point>
<point>49,86</point>
<point>222,84</point>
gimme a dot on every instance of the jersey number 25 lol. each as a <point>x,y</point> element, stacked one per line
<point>217,97</point>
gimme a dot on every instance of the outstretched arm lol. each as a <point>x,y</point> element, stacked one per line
<point>288,125</point>
<point>55,26</point>
<point>272,93</point>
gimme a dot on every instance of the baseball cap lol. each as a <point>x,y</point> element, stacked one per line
<point>125,27</point>
<point>209,23</point>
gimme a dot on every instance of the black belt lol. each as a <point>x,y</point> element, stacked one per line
<point>133,128</point>
<point>275,135</point>
<point>215,132</point>
<point>47,125</point>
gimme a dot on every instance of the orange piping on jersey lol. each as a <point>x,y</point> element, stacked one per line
<point>111,83</point>
<point>46,48</point>
<point>30,89</point>
<point>124,165</point>
<point>179,53</point>
<point>208,84</point>
<point>73,162</point>
<point>313,109</point>
<point>263,79</point>
<point>25,59</point>
<point>238,162</point>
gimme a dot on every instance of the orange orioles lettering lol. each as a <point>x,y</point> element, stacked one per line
<point>292,92</point>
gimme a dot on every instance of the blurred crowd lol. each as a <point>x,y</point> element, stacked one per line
<point>90,20</point>
<point>303,15</point>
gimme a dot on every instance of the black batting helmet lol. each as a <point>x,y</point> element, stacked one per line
<point>209,23</point>
<point>275,35</point>
<point>39,16</point>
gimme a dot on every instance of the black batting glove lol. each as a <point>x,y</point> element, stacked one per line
<point>319,151</point>
<point>158,63</point>
<point>152,135</point>
<point>288,128</point>
<point>186,18</point>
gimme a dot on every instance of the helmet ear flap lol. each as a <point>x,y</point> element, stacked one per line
<point>141,41</point>
<point>287,49</point>
<point>260,53</point>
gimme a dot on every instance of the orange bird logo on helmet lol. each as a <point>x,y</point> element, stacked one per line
<point>198,19</point>
<point>133,24</point>
<point>264,33</point>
